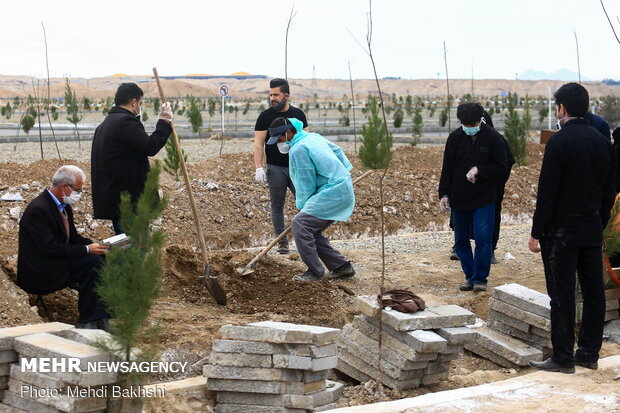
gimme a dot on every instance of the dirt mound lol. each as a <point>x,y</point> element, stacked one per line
<point>14,305</point>
<point>269,289</point>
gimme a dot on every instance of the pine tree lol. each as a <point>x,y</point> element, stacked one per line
<point>73,109</point>
<point>515,130</point>
<point>194,115</point>
<point>417,124</point>
<point>131,277</point>
<point>376,150</point>
<point>172,163</point>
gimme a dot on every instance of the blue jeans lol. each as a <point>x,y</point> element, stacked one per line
<point>476,266</point>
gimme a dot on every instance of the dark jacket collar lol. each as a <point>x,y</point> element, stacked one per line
<point>118,109</point>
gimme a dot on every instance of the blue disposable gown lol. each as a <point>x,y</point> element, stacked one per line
<point>319,170</point>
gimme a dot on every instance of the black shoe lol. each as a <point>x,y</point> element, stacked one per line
<point>283,248</point>
<point>346,270</point>
<point>493,259</point>
<point>592,365</point>
<point>550,365</point>
<point>308,276</point>
<point>479,287</point>
<point>453,255</point>
<point>467,286</point>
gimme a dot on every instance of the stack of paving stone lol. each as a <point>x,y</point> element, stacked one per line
<point>612,304</point>
<point>58,390</point>
<point>518,329</point>
<point>416,347</point>
<point>274,367</point>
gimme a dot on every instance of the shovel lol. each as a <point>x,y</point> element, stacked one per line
<point>249,269</point>
<point>210,282</point>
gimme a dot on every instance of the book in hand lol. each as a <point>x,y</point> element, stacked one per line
<point>120,240</point>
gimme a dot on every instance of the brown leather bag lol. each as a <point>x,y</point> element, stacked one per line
<point>404,301</point>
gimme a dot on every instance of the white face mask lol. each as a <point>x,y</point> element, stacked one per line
<point>284,147</point>
<point>73,198</point>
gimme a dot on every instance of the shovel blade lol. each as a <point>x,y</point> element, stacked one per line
<point>215,289</point>
<point>247,270</point>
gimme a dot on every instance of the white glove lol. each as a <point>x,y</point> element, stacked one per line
<point>166,112</point>
<point>444,204</point>
<point>472,175</point>
<point>260,175</point>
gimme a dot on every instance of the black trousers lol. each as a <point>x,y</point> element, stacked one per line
<point>573,245</point>
<point>85,273</point>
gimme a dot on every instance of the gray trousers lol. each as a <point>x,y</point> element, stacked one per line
<point>312,246</point>
<point>278,181</point>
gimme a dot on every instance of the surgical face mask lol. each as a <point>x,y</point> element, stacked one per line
<point>280,105</point>
<point>284,147</point>
<point>139,111</point>
<point>471,131</point>
<point>559,123</point>
<point>73,198</point>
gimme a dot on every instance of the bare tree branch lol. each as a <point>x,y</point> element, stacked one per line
<point>49,101</point>
<point>288,26</point>
<point>610,23</point>
<point>578,65</point>
<point>445,59</point>
<point>353,107</point>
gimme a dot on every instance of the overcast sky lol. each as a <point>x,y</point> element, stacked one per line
<point>498,38</point>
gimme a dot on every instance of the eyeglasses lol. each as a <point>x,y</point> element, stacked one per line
<point>77,191</point>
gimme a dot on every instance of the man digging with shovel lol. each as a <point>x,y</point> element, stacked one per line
<point>324,194</point>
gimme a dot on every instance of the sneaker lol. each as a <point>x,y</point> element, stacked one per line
<point>467,286</point>
<point>479,287</point>
<point>453,255</point>
<point>346,270</point>
<point>283,248</point>
<point>308,276</point>
<point>579,361</point>
<point>493,259</point>
<point>550,365</point>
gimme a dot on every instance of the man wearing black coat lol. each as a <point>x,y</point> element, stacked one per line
<point>474,163</point>
<point>53,256</point>
<point>575,194</point>
<point>120,151</point>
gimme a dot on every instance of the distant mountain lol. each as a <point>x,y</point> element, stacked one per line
<point>562,74</point>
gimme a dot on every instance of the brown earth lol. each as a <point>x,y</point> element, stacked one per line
<point>234,212</point>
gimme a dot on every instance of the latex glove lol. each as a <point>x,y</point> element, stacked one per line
<point>166,112</point>
<point>444,204</point>
<point>260,175</point>
<point>472,175</point>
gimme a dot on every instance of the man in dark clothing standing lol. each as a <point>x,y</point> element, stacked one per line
<point>575,195</point>
<point>52,255</point>
<point>277,176</point>
<point>474,162</point>
<point>120,151</point>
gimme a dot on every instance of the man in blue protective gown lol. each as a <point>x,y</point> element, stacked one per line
<point>324,194</point>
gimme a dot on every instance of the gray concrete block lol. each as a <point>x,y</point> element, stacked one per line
<point>48,345</point>
<point>284,361</point>
<point>5,369</point>
<point>256,399</point>
<point>371,346</point>
<point>7,356</point>
<point>269,387</point>
<point>249,408</point>
<point>541,332</point>
<point>457,335</point>
<point>37,379</point>
<point>4,383</point>
<point>257,347</point>
<point>442,358</point>
<point>371,371</point>
<point>453,348</point>
<point>612,315</point>
<point>5,408</point>
<point>419,340</point>
<point>612,305</point>
<point>8,334</point>
<point>85,336</point>
<point>515,312</point>
<point>391,338</point>
<point>435,378</point>
<point>276,332</point>
<point>62,401</point>
<point>436,367</point>
<point>508,320</point>
<point>251,373</point>
<point>431,318</point>
<point>524,298</point>
<point>370,365</point>
<point>352,372</point>
<point>528,338</point>
<point>505,346</point>
<point>24,404</point>
<point>310,376</point>
<point>489,355</point>
<point>240,360</point>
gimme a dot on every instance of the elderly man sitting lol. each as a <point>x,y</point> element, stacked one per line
<point>52,255</point>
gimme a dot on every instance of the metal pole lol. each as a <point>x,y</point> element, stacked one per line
<point>549,100</point>
<point>222,117</point>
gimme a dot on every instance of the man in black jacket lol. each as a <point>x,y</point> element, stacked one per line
<point>120,151</point>
<point>575,195</point>
<point>52,255</point>
<point>474,163</point>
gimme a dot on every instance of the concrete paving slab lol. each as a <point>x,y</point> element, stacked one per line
<point>587,391</point>
<point>257,347</point>
<point>457,335</point>
<point>240,359</point>
<point>8,334</point>
<point>505,346</point>
<point>496,316</point>
<point>524,298</point>
<point>518,313</point>
<point>347,362</point>
<point>269,387</point>
<point>276,332</point>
